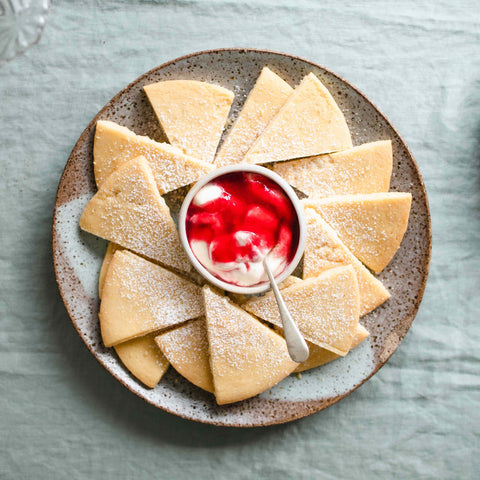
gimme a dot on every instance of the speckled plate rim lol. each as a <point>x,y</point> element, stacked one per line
<point>304,407</point>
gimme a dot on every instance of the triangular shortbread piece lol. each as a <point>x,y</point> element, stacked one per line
<point>309,123</point>
<point>140,297</point>
<point>325,308</point>
<point>319,356</point>
<point>111,249</point>
<point>246,357</point>
<point>186,348</point>
<point>262,104</point>
<point>128,210</point>
<point>371,226</point>
<point>114,145</point>
<point>324,250</point>
<point>143,359</point>
<point>363,169</point>
<point>191,113</point>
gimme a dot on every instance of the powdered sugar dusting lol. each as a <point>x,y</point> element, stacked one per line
<point>324,250</point>
<point>140,297</point>
<point>114,145</point>
<point>232,330</point>
<point>129,211</point>
<point>371,226</point>
<point>192,114</point>
<point>363,169</point>
<point>246,356</point>
<point>186,347</point>
<point>309,123</point>
<point>325,308</point>
<point>262,104</point>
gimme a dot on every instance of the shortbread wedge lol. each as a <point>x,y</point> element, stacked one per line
<point>324,250</point>
<point>319,356</point>
<point>246,357</point>
<point>363,169</point>
<point>371,226</point>
<point>143,359</point>
<point>111,249</point>
<point>140,297</point>
<point>128,210</point>
<point>114,145</point>
<point>309,123</point>
<point>186,348</point>
<point>191,113</point>
<point>325,308</point>
<point>269,93</point>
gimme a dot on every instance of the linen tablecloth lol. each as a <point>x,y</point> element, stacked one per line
<point>63,416</point>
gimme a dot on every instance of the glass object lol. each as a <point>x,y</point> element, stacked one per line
<point>21,25</point>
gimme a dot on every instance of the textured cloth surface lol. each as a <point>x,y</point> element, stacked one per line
<point>62,415</point>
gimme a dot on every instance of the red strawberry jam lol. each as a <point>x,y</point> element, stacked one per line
<point>235,221</point>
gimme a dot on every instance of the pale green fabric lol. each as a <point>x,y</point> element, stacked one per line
<point>63,416</point>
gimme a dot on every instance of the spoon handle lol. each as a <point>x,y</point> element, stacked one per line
<point>297,347</point>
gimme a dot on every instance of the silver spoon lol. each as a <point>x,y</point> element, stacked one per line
<point>297,348</point>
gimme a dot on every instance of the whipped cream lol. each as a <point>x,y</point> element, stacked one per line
<point>241,273</point>
<point>207,194</point>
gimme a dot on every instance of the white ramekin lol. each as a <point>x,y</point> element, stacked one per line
<point>287,189</point>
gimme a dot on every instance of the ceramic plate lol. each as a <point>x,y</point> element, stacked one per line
<point>77,255</point>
